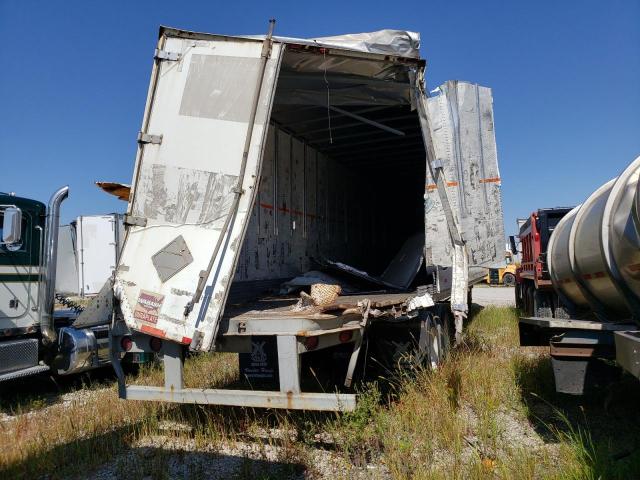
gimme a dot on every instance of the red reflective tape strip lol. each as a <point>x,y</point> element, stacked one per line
<point>433,186</point>
<point>286,210</point>
<point>591,276</point>
<point>186,340</point>
<point>156,332</point>
<point>490,180</point>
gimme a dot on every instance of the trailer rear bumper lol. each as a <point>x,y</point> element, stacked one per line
<point>339,402</point>
<point>289,396</point>
<point>628,351</point>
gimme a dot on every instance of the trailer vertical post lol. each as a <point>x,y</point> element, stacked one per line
<point>288,363</point>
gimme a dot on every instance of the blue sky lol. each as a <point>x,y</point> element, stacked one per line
<point>565,78</point>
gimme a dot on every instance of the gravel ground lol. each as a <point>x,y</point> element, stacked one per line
<point>495,296</point>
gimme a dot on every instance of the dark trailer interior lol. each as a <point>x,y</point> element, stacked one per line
<point>343,180</point>
<point>343,172</point>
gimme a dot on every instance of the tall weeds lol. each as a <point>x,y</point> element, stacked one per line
<point>489,411</point>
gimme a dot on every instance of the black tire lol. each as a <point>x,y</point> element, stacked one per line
<point>542,304</point>
<point>508,279</point>
<point>518,294</point>
<point>446,329</point>
<point>528,300</point>
<point>560,310</point>
<point>434,352</point>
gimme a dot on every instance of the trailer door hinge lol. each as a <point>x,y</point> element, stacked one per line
<point>164,55</point>
<point>132,220</point>
<point>144,138</point>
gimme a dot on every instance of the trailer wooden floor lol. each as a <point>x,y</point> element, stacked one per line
<point>282,306</point>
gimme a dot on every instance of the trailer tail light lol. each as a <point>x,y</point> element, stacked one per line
<point>346,336</point>
<point>311,343</point>
<point>126,343</point>
<point>156,344</point>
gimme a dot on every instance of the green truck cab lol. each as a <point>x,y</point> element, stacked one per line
<point>36,335</point>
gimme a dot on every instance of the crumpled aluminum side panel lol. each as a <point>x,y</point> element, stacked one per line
<point>461,119</point>
<point>391,42</point>
<point>401,43</point>
<point>184,185</point>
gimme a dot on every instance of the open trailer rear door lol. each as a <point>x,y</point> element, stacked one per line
<point>462,194</point>
<point>194,183</point>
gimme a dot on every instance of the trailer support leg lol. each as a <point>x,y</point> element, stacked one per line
<point>173,366</point>
<point>114,354</point>
<point>353,361</point>
<point>288,363</point>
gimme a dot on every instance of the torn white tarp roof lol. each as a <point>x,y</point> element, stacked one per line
<point>400,43</point>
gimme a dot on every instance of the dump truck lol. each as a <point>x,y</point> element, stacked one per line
<point>305,204</point>
<point>534,293</point>
<point>589,318</point>
<point>36,337</point>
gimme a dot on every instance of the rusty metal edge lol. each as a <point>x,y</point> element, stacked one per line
<point>338,402</point>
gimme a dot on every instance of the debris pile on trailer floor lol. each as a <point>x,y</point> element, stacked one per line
<point>372,304</point>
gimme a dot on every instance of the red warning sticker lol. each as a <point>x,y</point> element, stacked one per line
<point>148,306</point>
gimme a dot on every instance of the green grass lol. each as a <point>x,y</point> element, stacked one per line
<point>489,412</point>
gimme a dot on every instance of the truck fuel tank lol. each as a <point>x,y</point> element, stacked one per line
<point>81,349</point>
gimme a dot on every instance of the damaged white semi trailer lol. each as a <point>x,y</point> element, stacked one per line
<point>261,159</point>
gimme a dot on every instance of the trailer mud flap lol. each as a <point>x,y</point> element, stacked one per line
<point>578,360</point>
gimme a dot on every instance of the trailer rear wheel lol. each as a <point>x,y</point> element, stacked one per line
<point>448,326</point>
<point>435,354</point>
<point>440,329</point>
<point>446,333</point>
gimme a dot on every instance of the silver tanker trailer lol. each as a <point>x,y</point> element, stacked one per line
<point>593,259</point>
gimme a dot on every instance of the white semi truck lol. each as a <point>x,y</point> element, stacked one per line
<point>88,252</point>
<point>267,164</point>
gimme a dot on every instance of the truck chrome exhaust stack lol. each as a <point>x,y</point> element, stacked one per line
<point>49,259</point>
